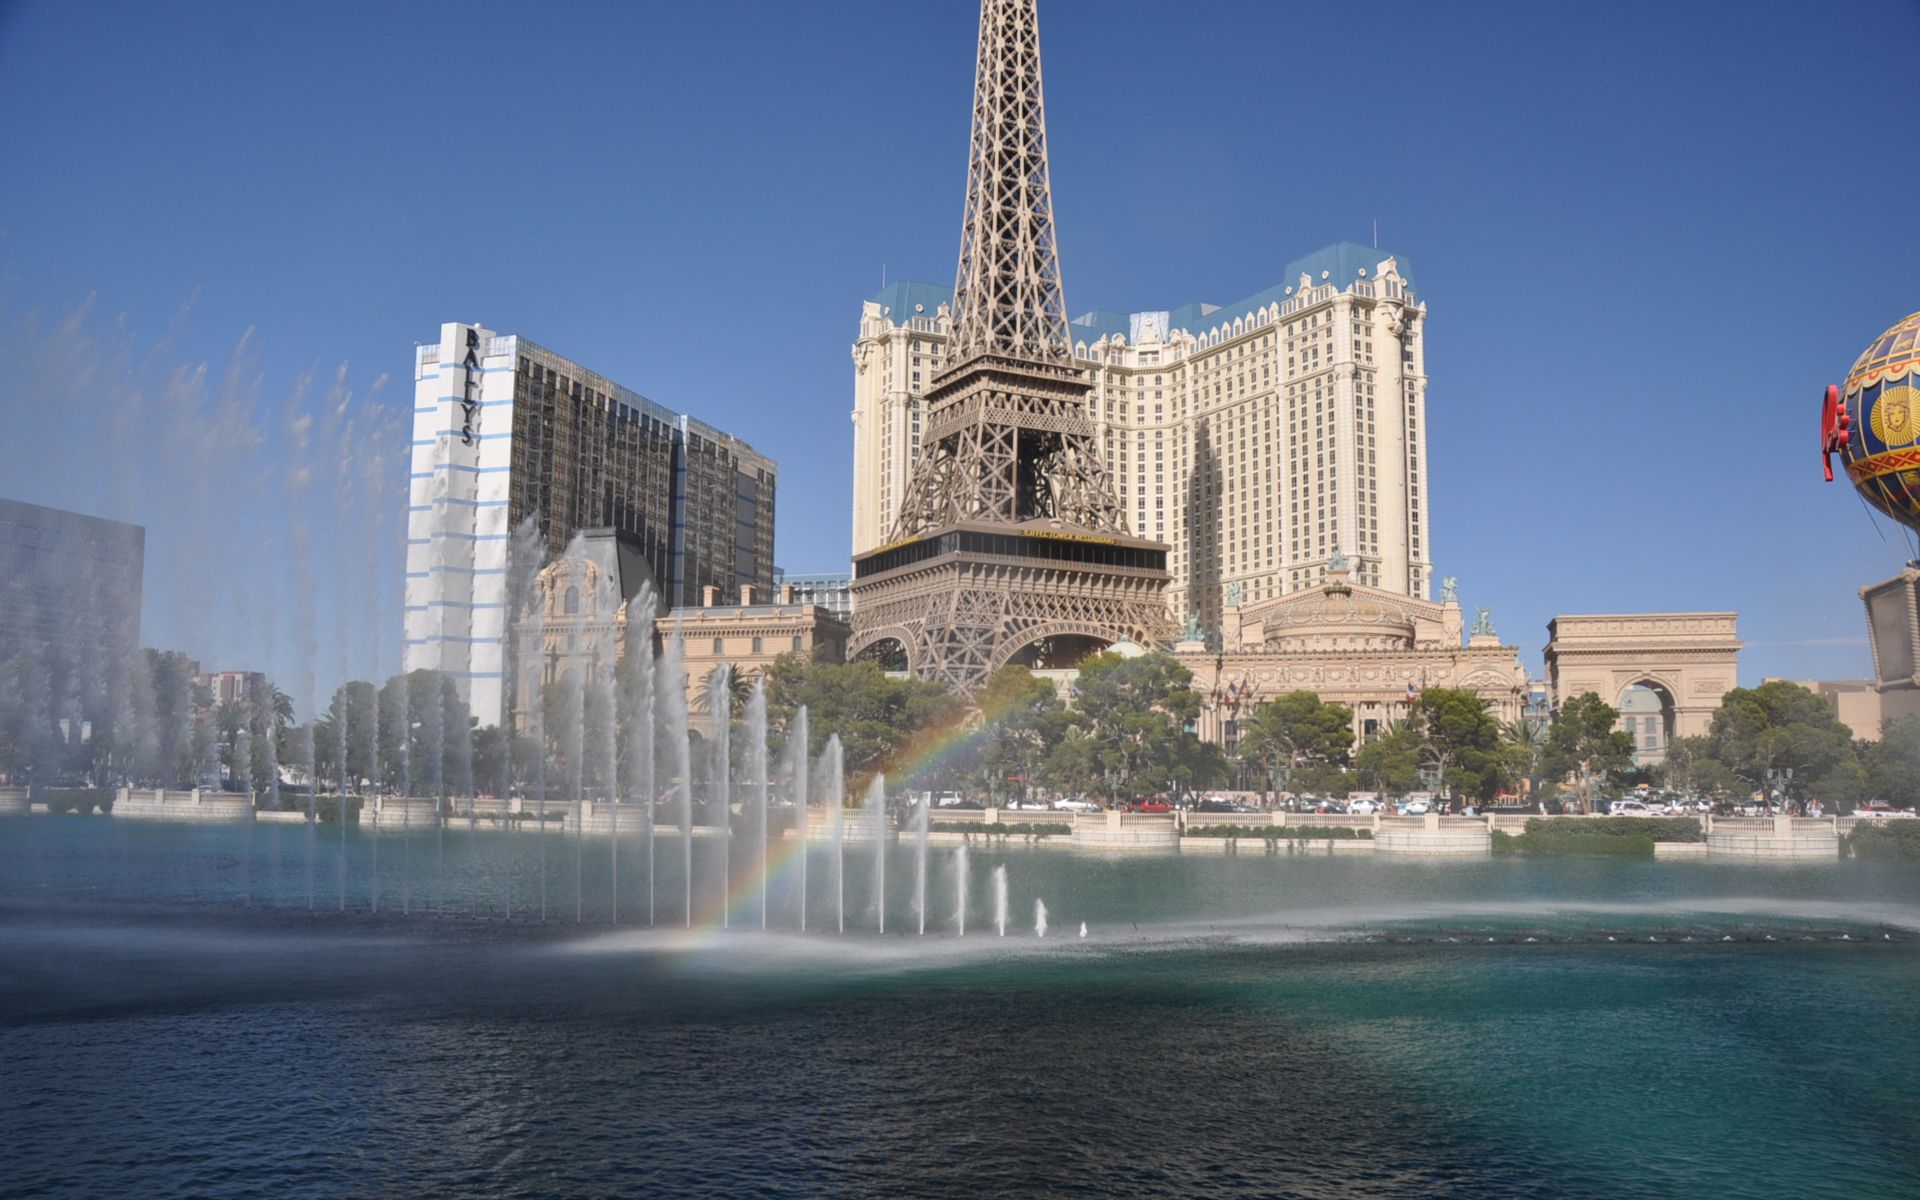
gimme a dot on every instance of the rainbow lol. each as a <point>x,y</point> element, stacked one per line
<point>926,751</point>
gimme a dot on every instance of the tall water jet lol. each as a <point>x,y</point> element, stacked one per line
<point>960,890</point>
<point>834,788</point>
<point>403,757</point>
<point>575,742</point>
<point>1039,918</point>
<point>797,738</point>
<point>720,782</point>
<point>243,779</point>
<point>605,706</point>
<point>340,812</point>
<point>313,815</point>
<point>380,503</point>
<point>526,555</point>
<point>1000,899</point>
<point>877,814</point>
<point>670,690</point>
<point>637,694</point>
<point>922,820</point>
<point>429,715</point>
<point>757,778</point>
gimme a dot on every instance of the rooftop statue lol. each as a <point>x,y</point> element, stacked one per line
<point>1340,561</point>
<point>1483,624</point>
<point>1449,590</point>
<point>1233,594</point>
<point>1191,633</point>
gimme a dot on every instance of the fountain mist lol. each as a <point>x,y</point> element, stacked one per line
<point>877,814</point>
<point>757,779</point>
<point>960,890</point>
<point>720,722</point>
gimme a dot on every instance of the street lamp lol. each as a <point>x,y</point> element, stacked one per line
<point>1779,787</point>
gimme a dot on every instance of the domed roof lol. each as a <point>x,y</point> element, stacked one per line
<point>1338,613</point>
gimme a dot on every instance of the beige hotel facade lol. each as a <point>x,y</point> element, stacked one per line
<point>1258,440</point>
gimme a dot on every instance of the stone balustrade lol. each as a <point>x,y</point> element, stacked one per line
<point>196,804</point>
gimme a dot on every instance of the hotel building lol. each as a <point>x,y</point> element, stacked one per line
<point>1257,439</point>
<point>504,429</point>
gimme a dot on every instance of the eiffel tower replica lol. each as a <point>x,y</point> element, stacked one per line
<point>1009,545</point>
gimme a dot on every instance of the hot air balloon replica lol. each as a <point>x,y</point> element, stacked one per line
<point>1872,422</point>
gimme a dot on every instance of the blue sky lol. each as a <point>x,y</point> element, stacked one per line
<point>1647,233</point>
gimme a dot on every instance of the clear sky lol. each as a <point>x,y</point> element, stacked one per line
<point>1648,234</point>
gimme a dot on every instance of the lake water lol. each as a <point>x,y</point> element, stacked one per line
<point>174,1021</point>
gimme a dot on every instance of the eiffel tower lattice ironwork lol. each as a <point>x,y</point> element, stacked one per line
<point>1009,543</point>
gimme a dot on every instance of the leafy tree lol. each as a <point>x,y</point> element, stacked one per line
<point>1296,731</point>
<point>1021,715</point>
<point>1893,763</point>
<point>1137,712</point>
<point>1324,779</point>
<point>421,719</point>
<point>492,761</point>
<point>1781,726</point>
<point>1691,768</point>
<point>1390,763</point>
<point>24,702</point>
<point>1461,739</point>
<point>1585,745</point>
<point>873,714</point>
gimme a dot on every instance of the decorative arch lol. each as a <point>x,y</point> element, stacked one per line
<point>1014,647</point>
<point>872,638</point>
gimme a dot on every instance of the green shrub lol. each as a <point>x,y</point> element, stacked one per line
<point>76,800</point>
<point>1895,839</point>
<point>1032,829</point>
<point>1277,833</point>
<point>326,809</point>
<point>1632,836</point>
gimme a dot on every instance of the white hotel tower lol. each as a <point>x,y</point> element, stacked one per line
<point>504,429</point>
<point>1257,439</point>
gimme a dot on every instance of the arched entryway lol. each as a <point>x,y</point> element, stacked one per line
<point>1647,712</point>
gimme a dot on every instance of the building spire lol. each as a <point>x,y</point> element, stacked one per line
<point>1007,297</point>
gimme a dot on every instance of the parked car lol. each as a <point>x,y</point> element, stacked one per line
<point>1366,808</point>
<point>1880,809</point>
<point>1152,804</point>
<point>950,800</point>
<point>1224,807</point>
<point>1416,808</point>
<point>1075,804</point>
<point>1027,805</point>
<point>1629,808</point>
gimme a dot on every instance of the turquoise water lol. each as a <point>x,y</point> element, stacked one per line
<point>1230,1026</point>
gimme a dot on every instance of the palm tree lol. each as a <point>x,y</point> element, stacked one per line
<point>739,691</point>
<point>1526,742</point>
<point>227,720</point>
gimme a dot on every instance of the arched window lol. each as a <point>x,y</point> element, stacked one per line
<point>572,601</point>
<point>719,647</point>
